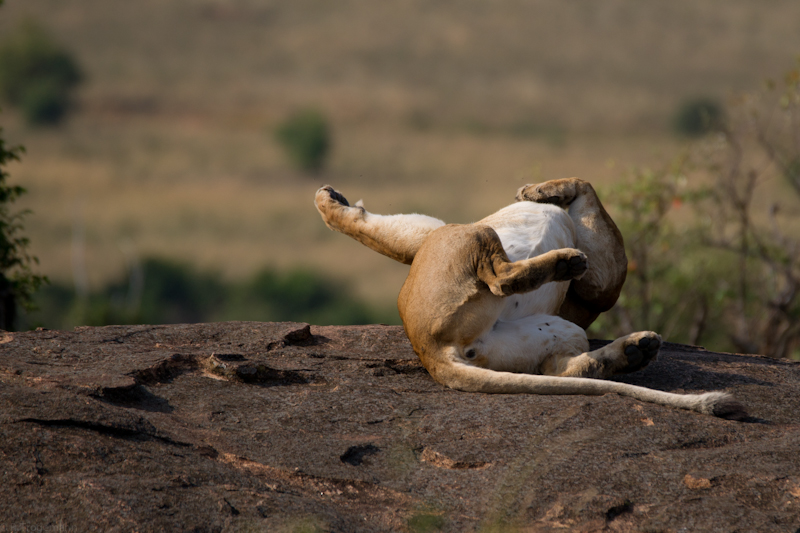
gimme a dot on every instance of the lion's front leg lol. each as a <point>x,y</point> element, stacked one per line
<point>395,236</point>
<point>597,236</point>
<point>505,278</point>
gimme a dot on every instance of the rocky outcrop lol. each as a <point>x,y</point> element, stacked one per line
<point>271,427</point>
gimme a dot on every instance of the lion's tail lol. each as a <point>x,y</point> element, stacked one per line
<point>474,379</point>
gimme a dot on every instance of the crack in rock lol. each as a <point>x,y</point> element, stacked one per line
<point>118,432</point>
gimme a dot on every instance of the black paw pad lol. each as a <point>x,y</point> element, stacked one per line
<point>649,348</point>
<point>577,265</point>
<point>562,267</point>
<point>640,354</point>
<point>635,358</point>
<point>570,268</point>
<point>335,195</point>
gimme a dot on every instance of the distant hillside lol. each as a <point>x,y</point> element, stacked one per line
<point>617,65</point>
<point>442,107</point>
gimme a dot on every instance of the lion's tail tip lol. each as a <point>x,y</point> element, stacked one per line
<point>722,405</point>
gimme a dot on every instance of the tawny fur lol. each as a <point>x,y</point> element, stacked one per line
<point>501,305</point>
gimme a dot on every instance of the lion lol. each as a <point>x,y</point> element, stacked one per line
<point>502,305</point>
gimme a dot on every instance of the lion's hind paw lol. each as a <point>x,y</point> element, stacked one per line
<point>557,192</point>
<point>640,351</point>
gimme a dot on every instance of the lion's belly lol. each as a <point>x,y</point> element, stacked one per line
<point>528,229</point>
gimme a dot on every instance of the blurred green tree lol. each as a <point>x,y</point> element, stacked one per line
<point>300,295</point>
<point>306,138</point>
<point>170,292</point>
<point>17,280</point>
<point>37,75</point>
<point>725,272</point>
<point>699,116</point>
<point>760,143</point>
<point>674,286</point>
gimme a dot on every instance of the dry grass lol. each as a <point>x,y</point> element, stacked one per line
<point>442,108</point>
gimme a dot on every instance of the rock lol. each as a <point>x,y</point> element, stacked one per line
<point>271,427</point>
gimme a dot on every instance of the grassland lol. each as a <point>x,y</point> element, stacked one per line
<point>444,108</point>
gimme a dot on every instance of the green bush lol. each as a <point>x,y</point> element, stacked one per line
<point>175,293</point>
<point>18,283</point>
<point>306,137</point>
<point>37,75</point>
<point>697,117</point>
<point>299,295</point>
<point>44,103</point>
<point>791,171</point>
<point>170,293</point>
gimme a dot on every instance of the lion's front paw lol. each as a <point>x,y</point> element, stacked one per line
<point>334,207</point>
<point>639,349</point>
<point>558,192</point>
<point>572,266</point>
<point>327,197</point>
<point>334,195</point>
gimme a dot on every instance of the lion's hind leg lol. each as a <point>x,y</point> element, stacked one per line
<point>597,236</point>
<point>395,236</point>
<point>550,345</point>
<point>623,356</point>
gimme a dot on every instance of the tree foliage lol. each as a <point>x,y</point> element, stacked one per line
<point>759,145</point>
<point>37,75</point>
<point>670,286</point>
<point>698,116</point>
<point>714,258</point>
<point>160,291</point>
<point>306,138</point>
<point>18,282</point>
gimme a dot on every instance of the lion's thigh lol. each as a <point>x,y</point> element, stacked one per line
<point>525,344</point>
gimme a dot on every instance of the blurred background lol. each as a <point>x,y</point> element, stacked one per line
<point>173,150</point>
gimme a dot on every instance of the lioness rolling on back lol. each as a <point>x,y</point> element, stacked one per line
<point>501,305</point>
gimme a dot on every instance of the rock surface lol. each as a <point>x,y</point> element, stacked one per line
<point>286,427</point>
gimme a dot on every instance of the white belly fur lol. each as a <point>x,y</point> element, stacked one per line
<point>528,229</point>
